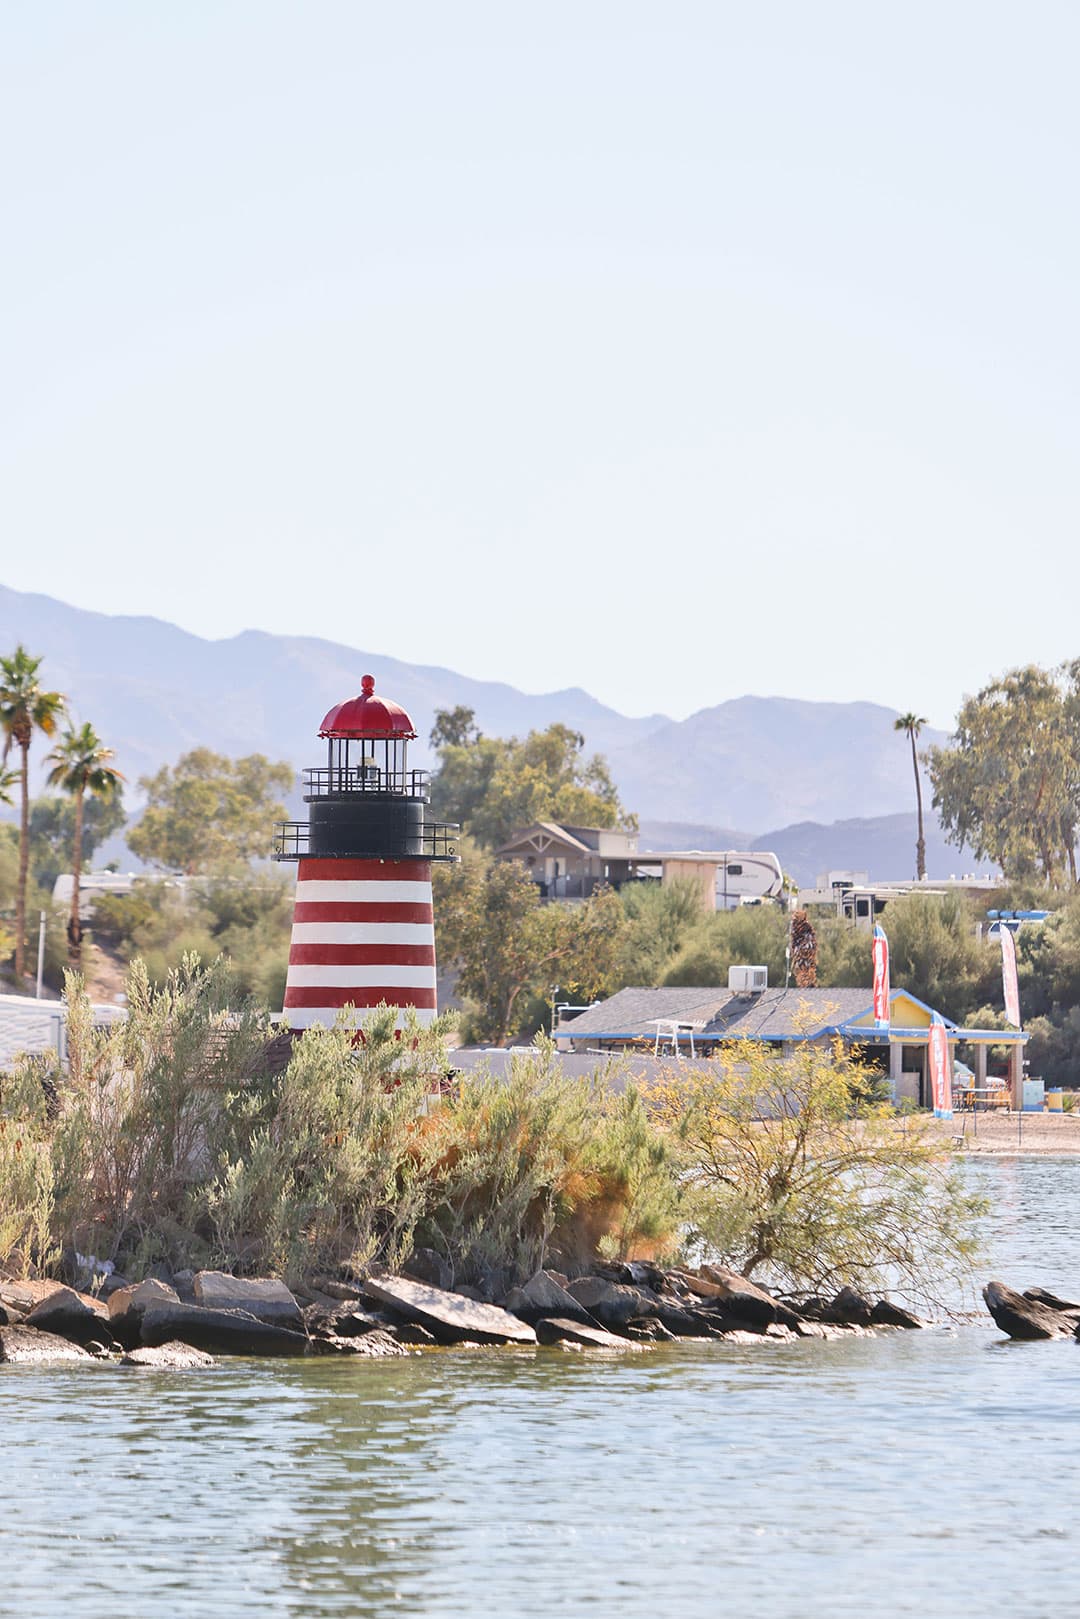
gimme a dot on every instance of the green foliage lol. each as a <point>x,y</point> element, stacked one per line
<point>209,811</point>
<point>149,1102</point>
<point>510,948</point>
<point>52,832</point>
<point>27,1207</point>
<point>189,1135</point>
<point>493,786</point>
<point>659,919</point>
<point>797,1178</point>
<point>1009,787</point>
<point>244,915</point>
<point>934,953</point>
<point>454,728</point>
<point>535,1166</point>
<point>752,933</point>
<point>338,1172</point>
<point>25,707</point>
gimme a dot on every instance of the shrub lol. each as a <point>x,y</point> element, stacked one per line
<point>796,1176</point>
<point>538,1162</point>
<point>26,1173</point>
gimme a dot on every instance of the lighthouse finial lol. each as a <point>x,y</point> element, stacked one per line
<point>367,685</point>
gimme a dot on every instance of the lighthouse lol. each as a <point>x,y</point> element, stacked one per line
<point>362,929</point>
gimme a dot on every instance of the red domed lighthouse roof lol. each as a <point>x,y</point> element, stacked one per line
<point>367,715</point>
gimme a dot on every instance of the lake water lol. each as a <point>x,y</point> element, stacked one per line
<point>935,1473</point>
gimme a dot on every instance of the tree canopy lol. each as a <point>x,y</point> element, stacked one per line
<point>208,811</point>
<point>52,831</point>
<point>510,948</point>
<point>494,785</point>
<point>1009,787</point>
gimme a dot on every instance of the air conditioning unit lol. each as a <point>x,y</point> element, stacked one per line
<point>747,980</point>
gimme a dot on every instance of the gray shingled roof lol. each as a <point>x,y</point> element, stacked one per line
<point>629,1011</point>
<point>785,1014</point>
<point>776,1014</point>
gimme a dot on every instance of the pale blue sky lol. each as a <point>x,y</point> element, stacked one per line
<point>675,351</point>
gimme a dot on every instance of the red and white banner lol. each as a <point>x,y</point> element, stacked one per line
<point>881,978</point>
<point>940,1068</point>
<point>1008,976</point>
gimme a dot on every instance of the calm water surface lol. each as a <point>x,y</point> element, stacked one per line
<point>917,1473</point>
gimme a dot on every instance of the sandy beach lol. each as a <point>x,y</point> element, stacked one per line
<point>1034,1134</point>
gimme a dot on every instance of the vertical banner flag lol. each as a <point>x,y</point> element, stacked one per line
<point>1008,976</point>
<point>881,978</point>
<point>940,1068</point>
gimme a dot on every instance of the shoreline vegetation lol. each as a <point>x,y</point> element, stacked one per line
<point>217,1181</point>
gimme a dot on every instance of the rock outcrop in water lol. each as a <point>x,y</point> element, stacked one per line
<point>1034,1314</point>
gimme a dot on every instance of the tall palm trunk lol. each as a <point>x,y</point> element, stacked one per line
<point>75,920</point>
<point>24,862</point>
<point>920,846</point>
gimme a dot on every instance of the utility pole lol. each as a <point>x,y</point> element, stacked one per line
<point>40,953</point>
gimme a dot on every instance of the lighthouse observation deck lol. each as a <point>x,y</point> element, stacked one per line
<point>365,801</point>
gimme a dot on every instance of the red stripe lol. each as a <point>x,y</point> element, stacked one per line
<point>398,871</point>
<point>331,995</point>
<point>362,955</point>
<point>359,911</point>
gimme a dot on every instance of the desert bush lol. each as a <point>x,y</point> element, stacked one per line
<point>794,1175</point>
<point>189,1134</point>
<point>26,1175</point>
<point>150,1104</point>
<point>336,1174</point>
<point>535,1162</point>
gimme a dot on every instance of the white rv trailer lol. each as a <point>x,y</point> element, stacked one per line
<point>727,877</point>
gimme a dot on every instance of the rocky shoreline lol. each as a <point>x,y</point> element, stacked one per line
<point>187,1321</point>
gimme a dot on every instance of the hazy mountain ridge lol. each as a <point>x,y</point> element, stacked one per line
<point>154,690</point>
<point>759,761</point>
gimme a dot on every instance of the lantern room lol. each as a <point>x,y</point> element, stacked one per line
<point>365,801</point>
<point>367,741</point>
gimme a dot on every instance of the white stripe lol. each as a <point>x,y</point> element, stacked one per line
<point>321,890</point>
<point>363,933</point>
<point>302,1017</point>
<point>362,977</point>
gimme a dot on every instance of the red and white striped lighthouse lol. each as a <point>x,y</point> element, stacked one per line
<point>362,922</point>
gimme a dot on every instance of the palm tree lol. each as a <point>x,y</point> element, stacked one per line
<point>24,709</point>
<point>80,765</point>
<point>913,724</point>
<point>8,782</point>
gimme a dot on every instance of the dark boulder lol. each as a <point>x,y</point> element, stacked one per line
<point>748,1305</point>
<point>357,1323</point>
<point>69,1315</point>
<point>612,1304</point>
<point>649,1331</point>
<point>128,1305</point>
<point>544,1294</point>
<point>693,1322</point>
<point>264,1297</point>
<point>1024,1318</point>
<point>887,1314</point>
<point>451,1317</point>
<point>25,1346</point>
<point>849,1309</point>
<point>226,1332</point>
<point>551,1330</point>
<point>426,1265</point>
<point>1039,1295</point>
<point>172,1357</point>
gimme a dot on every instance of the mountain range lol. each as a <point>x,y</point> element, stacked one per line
<point>832,777</point>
